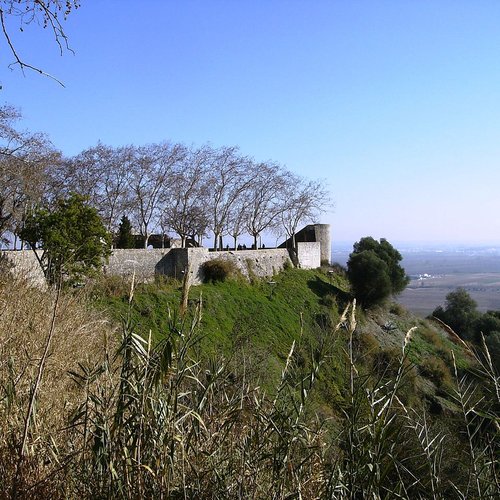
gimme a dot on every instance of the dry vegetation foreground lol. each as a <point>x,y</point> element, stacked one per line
<point>43,337</point>
<point>358,408</point>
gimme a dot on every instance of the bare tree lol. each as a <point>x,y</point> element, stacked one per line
<point>114,199</point>
<point>185,210</point>
<point>227,182</point>
<point>237,218</point>
<point>150,180</point>
<point>103,174</point>
<point>16,15</point>
<point>82,174</point>
<point>24,161</point>
<point>302,201</point>
<point>263,207</point>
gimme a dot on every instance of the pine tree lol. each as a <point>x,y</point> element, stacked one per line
<point>125,237</point>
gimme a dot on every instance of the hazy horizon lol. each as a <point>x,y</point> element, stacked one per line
<point>427,245</point>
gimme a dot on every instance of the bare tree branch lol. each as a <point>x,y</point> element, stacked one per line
<point>45,13</point>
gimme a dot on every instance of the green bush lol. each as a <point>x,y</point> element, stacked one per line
<point>460,313</point>
<point>73,239</point>
<point>218,270</point>
<point>374,271</point>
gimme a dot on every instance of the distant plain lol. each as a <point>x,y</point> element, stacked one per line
<point>477,269</point>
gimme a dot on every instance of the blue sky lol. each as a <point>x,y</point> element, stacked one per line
<point>396,104</point>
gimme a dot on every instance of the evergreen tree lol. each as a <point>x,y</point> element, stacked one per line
<point>460,313</point>
<point>374,271</point>
<point>72,239</point>
<point>125,237</point>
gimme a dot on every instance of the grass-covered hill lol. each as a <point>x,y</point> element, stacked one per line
<point>277,388</point>
<point>258,322</point>
<point>261,319</point>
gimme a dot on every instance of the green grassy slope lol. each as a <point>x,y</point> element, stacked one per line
<point>255,324</point>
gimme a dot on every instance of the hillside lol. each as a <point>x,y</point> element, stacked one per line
<point>277,385</point>
<point>259,322</point>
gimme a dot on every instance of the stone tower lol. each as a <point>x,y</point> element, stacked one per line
<point>314,233</point>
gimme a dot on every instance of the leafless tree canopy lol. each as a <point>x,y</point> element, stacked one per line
<point>25,160</point>
<point>166,188</point>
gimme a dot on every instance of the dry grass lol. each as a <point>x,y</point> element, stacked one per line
<point>79,336</point>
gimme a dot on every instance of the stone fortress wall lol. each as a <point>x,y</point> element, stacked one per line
<point>174,262</point>
<point>261,263</point>
<point>24,265</point>
<point>313,248</point>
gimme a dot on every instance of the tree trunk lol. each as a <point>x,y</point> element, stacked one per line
<point>294,255</point>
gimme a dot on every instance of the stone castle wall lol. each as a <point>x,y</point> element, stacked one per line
<point>141,261</point>
<point>25,265</point>
<point>146,264</point>
<point>260,263</point>
<point>309,255</point>
<point>175,261</point>
<point>320,233</point>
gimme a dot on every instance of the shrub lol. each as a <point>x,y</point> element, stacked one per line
<point>397,309</point>
<point>460,313</point>
<point>435,369</point>
<point>218,270</point>
<point>73,239</point>
<point>386,361</point>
